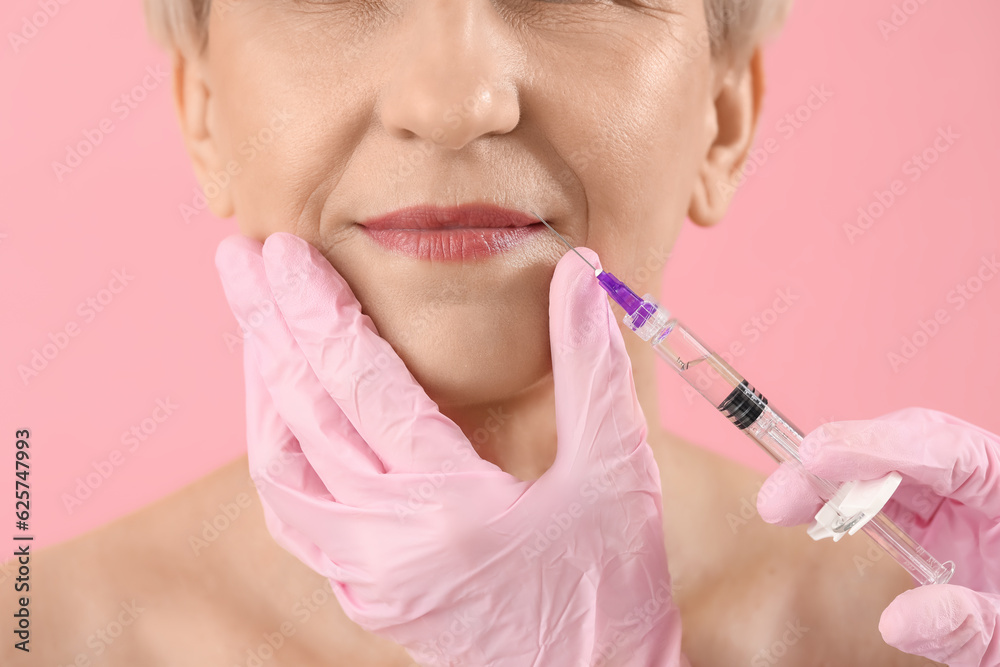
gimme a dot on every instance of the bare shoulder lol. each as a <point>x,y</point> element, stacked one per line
<point>191,579</point>
<point>754,593</point>
<point>194,579</point>
<point>94,599</point>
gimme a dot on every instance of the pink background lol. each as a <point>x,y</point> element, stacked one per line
<point>164,335</point>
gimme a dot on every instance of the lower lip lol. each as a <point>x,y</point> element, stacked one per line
<point>453,244</point>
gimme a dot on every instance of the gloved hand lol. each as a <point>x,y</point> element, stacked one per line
<point>365,481</point>
<point>948,500</point>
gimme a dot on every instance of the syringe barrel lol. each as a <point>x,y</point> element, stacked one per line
<point>749,411</point>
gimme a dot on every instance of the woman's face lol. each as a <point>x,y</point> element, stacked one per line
<point>599,115</point>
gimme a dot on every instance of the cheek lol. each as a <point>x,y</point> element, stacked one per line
<point>284,110</point>
<point>282,180</point>
<point>632,138</point>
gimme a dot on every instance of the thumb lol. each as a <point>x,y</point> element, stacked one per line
<point>592,372</point>
<point>950,624</point>
<point>786,498</point>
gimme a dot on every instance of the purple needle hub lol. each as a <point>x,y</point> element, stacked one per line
<point>638,309</point>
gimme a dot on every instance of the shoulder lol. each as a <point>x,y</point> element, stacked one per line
<point>110,595</point>
<point>754,593</point>
<point>194,579</point>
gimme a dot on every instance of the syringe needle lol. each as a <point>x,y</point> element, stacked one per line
<point>615,288</point>
<point>568,245</point>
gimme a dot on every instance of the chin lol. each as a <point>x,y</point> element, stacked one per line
<point>472,370</point>
<point>464,350</point>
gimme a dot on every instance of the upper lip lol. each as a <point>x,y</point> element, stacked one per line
<point>441,217</point>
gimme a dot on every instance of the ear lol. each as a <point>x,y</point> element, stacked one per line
<point>731,122</point>
<point>193,104</point>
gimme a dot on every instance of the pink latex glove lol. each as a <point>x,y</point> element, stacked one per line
<point>948,500</point>
<point>364,480</point>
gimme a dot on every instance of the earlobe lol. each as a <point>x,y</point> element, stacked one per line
<point>731,125</point>
<point>193,105</point>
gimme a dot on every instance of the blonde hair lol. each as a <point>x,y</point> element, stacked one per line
<point>735,27</point>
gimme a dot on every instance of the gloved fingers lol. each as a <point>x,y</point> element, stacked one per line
<point>917,414</point>
<point>920,500</point>
<point>914,506</point>
<point>947,623</point>
<point>275,459</point>
<point>277,464</point>
<point>592,372</point>
<point>349,541</point>
<point>359,369</point>
<point>334,450</point>
<point>786,498</point>
<point>951,460</point>
<point>273,453</point>
<point>294,542</point>
<point>276,454</point>
<point>335,537</point>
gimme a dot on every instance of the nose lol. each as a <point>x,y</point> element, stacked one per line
<point>451,81</point>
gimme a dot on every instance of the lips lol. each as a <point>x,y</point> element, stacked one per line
<point>470,231</point>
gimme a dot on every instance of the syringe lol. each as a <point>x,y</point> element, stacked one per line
<point>849,507</point>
